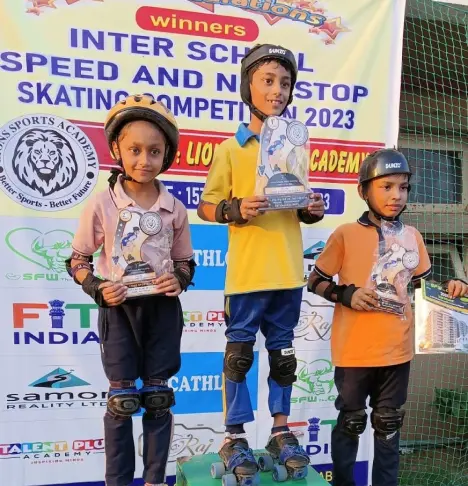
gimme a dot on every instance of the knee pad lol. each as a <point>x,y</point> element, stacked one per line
<point>283,365</point>
<point>386,422</point>
<point>122,403</point>
<point>238,360</point>
<point>157,400</point>
<point>352,423</point>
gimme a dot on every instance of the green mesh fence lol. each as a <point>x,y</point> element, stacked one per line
<point>434,136</point>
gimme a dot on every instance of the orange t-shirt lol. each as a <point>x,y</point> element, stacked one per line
<point>372,338</point>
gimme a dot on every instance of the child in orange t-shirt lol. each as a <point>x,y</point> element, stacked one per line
<point>374,259</point>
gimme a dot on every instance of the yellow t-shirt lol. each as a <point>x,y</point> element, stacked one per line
<point>366,338</point>
<point>265,253</point>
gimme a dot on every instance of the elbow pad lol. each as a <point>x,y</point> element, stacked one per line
<point>85,263</point>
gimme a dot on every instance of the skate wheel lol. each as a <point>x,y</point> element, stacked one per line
<point>265,463</point>
<point>229,480</point>
<point>280,473</point>
<point>300,473</point>
<point>218,470</point>
<point>249,480</point>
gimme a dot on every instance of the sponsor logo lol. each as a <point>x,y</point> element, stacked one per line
<point>210,254</point>
<point>190,441</point>
<point>314,322</point>
<point>317,439</point>
<point>277,51</point>
<point>46,163</point>
<point>43,399</point>
<point>198,384</point>
<point>394,165</point>
<point>199,322</point>
<point>52,452</point>
<point>310,256</point>
<point>210,258</point>
<point>41,323</point>
<point>315,382</point>
<point>47,251</point>
<point>58,378</point>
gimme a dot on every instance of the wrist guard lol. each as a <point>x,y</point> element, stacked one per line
<point>229,212</point>
<point>90,286</point>
<point>343,293</point>
<point>307,218</point>
<point>184,272</point>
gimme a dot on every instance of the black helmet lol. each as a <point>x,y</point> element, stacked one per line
<point>258,54</point>
<point>382,163</point>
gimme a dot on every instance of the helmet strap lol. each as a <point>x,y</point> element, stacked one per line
<point>124,175</point>
<point>166,162</point>
<point>259,114</point>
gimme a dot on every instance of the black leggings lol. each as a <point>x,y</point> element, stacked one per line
<point>387,387</point>
<point>139,339</point>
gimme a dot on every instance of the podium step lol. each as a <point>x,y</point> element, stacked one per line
<point>195,471</point>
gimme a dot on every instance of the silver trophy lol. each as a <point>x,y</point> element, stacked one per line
<point>141,252</point>
<point>283,164</point>
<point>394,267</point>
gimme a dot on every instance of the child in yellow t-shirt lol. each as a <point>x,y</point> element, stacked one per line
<point>265,279</point>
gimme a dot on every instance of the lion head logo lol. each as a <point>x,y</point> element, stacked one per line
<point>44,161</point>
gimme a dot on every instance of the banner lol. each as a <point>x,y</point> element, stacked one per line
<point>63,64</point>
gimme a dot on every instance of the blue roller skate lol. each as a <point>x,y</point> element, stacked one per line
<point>287,459</point>
<point>239,467</point>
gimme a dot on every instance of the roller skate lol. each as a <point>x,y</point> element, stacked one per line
<point>238,467</point>
<point>287,459</point>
